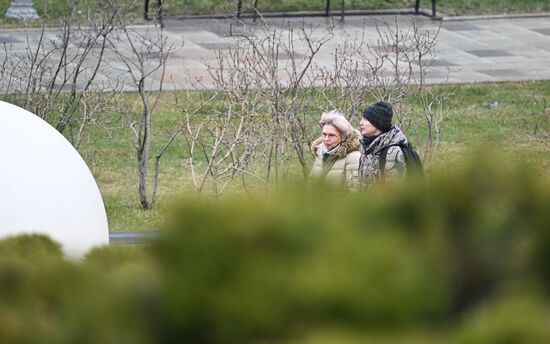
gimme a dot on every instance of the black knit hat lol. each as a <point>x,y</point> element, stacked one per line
<point>379,114</point>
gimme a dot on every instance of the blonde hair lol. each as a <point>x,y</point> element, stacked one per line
<point>338,120</point>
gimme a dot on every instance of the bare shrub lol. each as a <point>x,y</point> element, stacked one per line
<point>391,67</point>
<point>143,54</point>
<point>268,70</point>
<point>56,75</point>
<point>221,146</point>
<point>279,67</point>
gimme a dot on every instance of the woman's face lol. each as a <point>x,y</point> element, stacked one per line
<point>331,136</point>
<point>367,129</point>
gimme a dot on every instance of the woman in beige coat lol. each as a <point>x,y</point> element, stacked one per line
<point>337,152</point>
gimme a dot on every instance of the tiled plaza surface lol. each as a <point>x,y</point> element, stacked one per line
<point>469,50</point>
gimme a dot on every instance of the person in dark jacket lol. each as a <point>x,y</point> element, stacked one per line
<point>378,132</point>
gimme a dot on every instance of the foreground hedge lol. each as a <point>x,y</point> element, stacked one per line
<point>460,259</point>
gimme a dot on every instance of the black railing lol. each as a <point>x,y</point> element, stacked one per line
<point>342,7</point>
<point>255,7</point>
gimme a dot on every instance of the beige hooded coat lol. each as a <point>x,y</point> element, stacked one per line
<point>341,167</point>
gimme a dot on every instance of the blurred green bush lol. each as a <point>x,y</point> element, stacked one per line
<point>464,256</point>
<point>46,299</point>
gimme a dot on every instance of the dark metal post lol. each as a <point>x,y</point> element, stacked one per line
<point>255,4</point>
<point>145,10</point>
<point>159,4</point>
<point>239,6</point>
<point>327,8</point>
<point>417,7</point>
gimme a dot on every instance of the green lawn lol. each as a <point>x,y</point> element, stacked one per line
<point>516,128</point>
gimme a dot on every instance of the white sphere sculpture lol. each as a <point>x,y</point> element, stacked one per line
<point>45,186</point>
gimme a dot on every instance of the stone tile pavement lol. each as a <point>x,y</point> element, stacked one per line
<point>467,50</point>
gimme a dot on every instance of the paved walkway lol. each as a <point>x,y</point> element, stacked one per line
<point>485,50</point>
<point>469,50</point>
